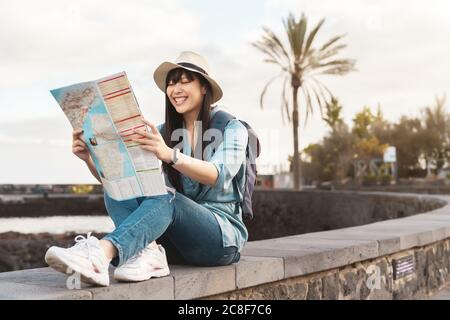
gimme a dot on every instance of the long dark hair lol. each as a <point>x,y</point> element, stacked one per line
<point>174,120</point>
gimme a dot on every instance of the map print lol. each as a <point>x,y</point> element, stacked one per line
<point>103,109</point>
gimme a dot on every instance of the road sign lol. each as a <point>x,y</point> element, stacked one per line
<point>390,155</point>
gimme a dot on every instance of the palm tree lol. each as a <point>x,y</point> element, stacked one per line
<point>300,63</point>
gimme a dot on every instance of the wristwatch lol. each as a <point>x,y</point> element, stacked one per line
<point>175,156</point>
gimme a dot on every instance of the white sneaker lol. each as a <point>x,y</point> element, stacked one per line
<point>86,257</point>
<point>150,262</point>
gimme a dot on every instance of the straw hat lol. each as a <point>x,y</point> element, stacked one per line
<point>190,61</point>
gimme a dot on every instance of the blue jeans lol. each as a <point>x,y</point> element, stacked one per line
<point>189,232</point>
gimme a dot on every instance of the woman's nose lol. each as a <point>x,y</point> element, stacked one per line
<point>177,87</point>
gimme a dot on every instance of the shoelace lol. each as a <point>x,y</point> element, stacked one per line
<point>81,241</point>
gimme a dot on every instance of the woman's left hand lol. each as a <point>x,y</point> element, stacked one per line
<point>154,142</point>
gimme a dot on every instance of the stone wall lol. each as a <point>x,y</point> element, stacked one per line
<point>280,213</point>
<point>335,264</point>
<point>277,212</point>
<point>432,265</point>
<point>53,206</point>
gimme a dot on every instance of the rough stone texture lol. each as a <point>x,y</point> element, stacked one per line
<point>443,295</point>
<point>195,282</point>
<point>278,213</point>
<point>349,282</point>
<point>328,265</point>
<point>280,290</point>
<point>330,287</point>
<point>314,287</point>
<point>45,283</point>
<point>66,205</point>
<point>281,213</point>
<point>35,284</point>
<point>251,271</point>
<point>387,243</point>
<point>37,277</point>
<point>19,291</point>
<point>412,186</point>
<point>428,230</point>
<point>432,265</point>
<point>306,255</point>
<point>155,289</point>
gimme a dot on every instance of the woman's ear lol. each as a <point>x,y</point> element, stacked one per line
<point>203,90</point>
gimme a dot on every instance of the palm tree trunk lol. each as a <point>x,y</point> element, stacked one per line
<point>296,159</point>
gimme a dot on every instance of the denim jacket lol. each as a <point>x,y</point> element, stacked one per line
<point>222,199</point>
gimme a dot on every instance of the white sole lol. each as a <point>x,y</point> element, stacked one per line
<point>154,274</point>
<point>60,261</point>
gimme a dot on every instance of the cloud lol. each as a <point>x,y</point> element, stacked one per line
<point>399,46</point>
<point>52,38</point>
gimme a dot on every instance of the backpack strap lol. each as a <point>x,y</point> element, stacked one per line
<point>219,121</point>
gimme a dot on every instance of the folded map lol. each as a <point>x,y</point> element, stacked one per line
<point>108,112</point>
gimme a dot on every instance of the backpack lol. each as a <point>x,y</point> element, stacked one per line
<point>219,121</point>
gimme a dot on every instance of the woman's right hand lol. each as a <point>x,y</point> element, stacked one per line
<point>79,147</point>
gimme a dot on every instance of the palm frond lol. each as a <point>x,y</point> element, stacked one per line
<point>277,63</point>
<point>301,38</point>
<point>263,93</point>
<point>338,62</point>
<point>340,69</point>
<point>315,60</point>
<point>331,41</point>
<point>285,101</point>
<point>260,45</point>
<point>272,46</point>
<point>331,52</point>
<point>322,88</point>
<point>299,58</point>
<point>277,44</point>
<point>289,27</point>
<point>311,37</point>
<point>296,34</point>
<point>308,101</point>
<point>317,96</point>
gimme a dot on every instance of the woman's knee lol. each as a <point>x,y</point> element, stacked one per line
<point>112,204</point>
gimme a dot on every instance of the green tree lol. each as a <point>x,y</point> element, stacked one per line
<point>435,134</point>
<point>332,158</point>
<point>406,136</point>
<point>362,122</point>
<point>300,62</point>
<point>380,127</point>
<point>333,114</point>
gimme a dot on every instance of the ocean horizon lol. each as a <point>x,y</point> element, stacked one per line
<point>57,224</point>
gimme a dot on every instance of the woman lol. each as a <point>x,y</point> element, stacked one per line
<point>200,221</point>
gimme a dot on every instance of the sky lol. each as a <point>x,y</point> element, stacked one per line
<point>401,50</point>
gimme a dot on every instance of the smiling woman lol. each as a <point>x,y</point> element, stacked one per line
<point>188,103</point>
<point>201,222</point>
